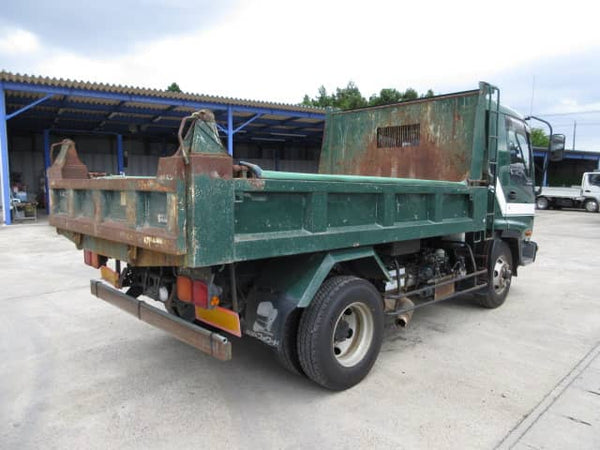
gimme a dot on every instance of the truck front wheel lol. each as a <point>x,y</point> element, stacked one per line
<point>591,205</point>
<point>499,278</point>
<point>542,203</point>
<point>340,332</point>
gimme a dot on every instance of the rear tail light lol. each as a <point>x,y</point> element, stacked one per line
<point>200,294</point>
<point>196,292</point>
<point>94,259</point>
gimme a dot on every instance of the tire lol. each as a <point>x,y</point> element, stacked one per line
<point>340,332</point>
<point>591,205</point>
<point>287,352</point>
<point>499,278</point>
<point>542,203</point>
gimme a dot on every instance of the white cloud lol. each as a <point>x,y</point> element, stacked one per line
<point>15,41</point>
<point>270,50</point>
<point>277,51</point>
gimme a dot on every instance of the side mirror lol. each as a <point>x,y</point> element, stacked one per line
<point>557,147</point>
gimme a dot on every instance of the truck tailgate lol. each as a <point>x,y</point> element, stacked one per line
<point>142,212</point>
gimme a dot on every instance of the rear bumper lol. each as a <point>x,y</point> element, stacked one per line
<point>205,340</point>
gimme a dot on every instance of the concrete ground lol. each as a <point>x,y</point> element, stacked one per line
<point>79,373</point>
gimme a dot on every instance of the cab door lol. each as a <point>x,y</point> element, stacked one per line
<point>515,189</point>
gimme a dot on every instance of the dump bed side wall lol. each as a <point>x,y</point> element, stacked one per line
<point>426,139</point>
<point>277,217</point>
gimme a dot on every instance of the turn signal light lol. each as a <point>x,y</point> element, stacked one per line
<point>184,289</point>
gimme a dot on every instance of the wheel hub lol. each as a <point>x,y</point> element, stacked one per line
<point>353,334</point>
<point>501,276</point>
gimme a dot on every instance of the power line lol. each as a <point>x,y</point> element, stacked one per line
<point>570,113</point>
<point>579,124</point>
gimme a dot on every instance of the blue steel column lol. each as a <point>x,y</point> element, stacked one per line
<point>120,158</point>
<point>230,130</point>
<point>545,179</point>
<point>4,172</point>
<point>47,163</point>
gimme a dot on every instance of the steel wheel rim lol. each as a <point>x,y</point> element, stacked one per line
<point>352,334</point>
<point>542,203</point>
<point>591,205</point>
<point>501,275</point>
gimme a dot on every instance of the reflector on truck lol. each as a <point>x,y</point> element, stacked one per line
<point>221,318</point>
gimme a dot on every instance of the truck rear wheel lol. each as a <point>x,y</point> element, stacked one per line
<point>340,332</point>
<point>500,276</point>
<point>287,352</point>
<point>542,203</point>
<point>591,205</point>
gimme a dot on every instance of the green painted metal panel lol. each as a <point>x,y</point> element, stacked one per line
<point>210,221</point>
<point>300,276</point>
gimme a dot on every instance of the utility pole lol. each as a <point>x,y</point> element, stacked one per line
<point>574,132</point>
<point>532,96</point>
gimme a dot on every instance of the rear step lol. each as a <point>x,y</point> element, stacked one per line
<point>205,340</point>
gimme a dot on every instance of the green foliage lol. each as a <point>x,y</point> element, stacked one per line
<point>539,138</point>
<point>174,87</point>
<point>351,98</point>
<point>385,97</point>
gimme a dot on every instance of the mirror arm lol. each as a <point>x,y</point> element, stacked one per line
<point>548,124</point>
<point>547,158</point>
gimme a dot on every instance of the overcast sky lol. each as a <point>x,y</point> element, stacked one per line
<point>545,60</point>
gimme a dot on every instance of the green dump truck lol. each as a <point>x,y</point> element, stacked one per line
<point>414,203</point>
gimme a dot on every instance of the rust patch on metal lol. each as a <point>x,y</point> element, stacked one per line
<point>240,171</point>
<point>213,165</point>
<point>430,160</point>
<point>67,164</point>
<point>151,238</point>
<point>430,139</point>
<point>170,167</point>
<point>116,184</point>
<point>256,183</point>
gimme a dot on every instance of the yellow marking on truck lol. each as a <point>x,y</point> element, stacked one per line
<point>110,276</point>
<point>150,240</point>
<point>222,318</point>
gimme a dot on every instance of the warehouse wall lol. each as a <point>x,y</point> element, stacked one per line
<point>99,153</point>
<point>567,172</point>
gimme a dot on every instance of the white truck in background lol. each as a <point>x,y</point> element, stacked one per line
<point>585,196</point>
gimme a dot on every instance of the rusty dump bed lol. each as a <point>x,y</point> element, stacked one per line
<point>140,212</point>
<point>429,138</point>
<point>387,174</point>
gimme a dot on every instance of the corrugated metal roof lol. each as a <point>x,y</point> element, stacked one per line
<point>131,90</point>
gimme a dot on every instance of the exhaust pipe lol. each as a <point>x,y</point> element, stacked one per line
<point>403,318</point>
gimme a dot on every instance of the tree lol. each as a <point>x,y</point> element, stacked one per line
<point>174,87</point>
<point>539,138</point>
<point>351,98</point>
<point>344,98</point>
<point>385,97</point>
